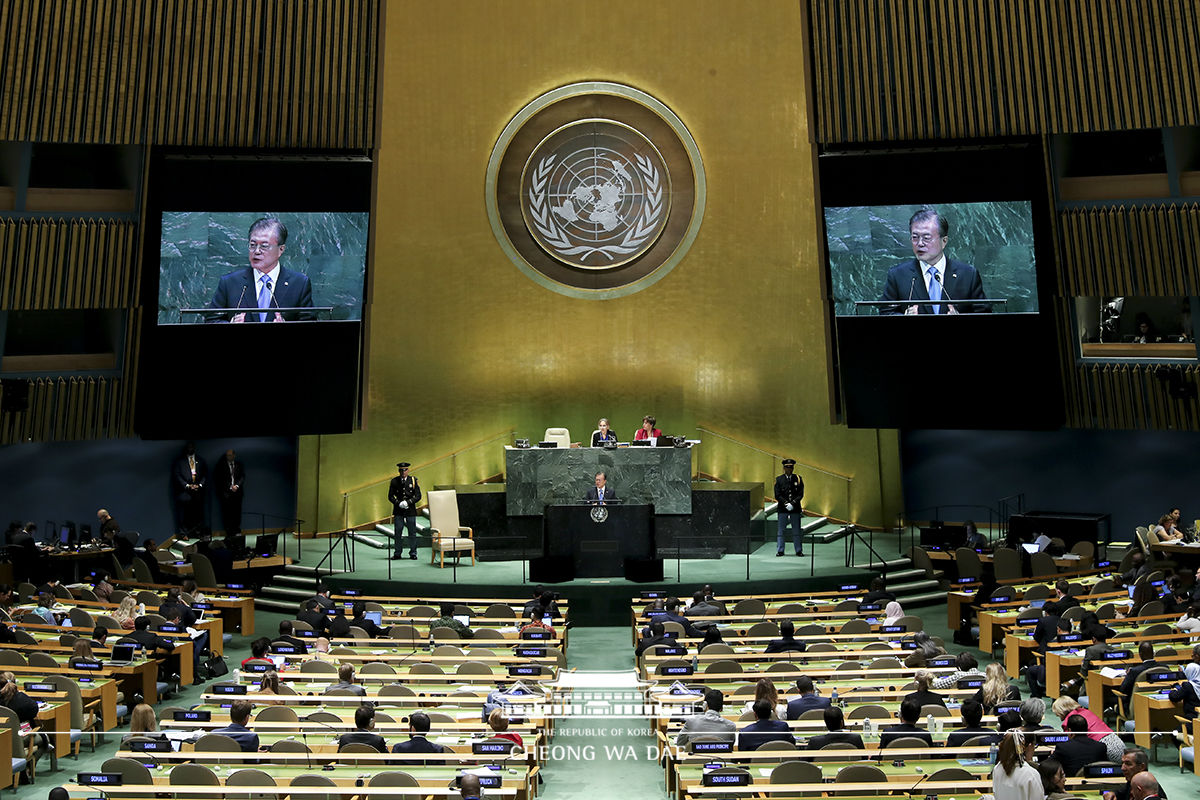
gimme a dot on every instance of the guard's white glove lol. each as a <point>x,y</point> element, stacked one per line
<point>788,506</point>
<point>404,504</point>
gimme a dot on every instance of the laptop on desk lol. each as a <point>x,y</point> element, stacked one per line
<point>123,654</point>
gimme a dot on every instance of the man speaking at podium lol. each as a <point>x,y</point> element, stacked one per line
<point>931,275</point>
<point>264,284</point>
<point>600,493</point>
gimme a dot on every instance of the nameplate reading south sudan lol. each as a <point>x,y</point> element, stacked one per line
<point>723,779</point>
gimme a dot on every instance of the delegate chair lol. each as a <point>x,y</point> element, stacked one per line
<point>445,528</point>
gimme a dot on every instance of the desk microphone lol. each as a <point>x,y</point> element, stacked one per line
<point>911,285</point>
<point>918,783</point>
<point>273,300</point>
<point>240,296</point>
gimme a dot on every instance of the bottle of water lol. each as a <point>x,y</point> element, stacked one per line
<point>833,698</point>
<point>993,753</point>
<point>431,640</point>
<point>695,662</point>
<point>868,727</point>
<point>937,726</point>
<point>929,723</point>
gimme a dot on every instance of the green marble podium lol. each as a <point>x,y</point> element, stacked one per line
<point>537,477</point>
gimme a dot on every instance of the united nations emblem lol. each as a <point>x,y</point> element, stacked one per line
<point>596,194</point>
<point>595,190</point>
<point>599,514</point>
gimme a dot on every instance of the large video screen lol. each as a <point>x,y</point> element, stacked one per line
<point>921,350</point>
<point>261,266</point>
<point>978,251</point>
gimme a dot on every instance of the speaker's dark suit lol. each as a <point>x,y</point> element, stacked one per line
<point>239,289</point>
<point>593,496</point>
<point>960,282</point>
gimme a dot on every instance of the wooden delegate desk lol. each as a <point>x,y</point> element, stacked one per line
<point>55,718</point>
<point>347,787</point>
<point>599,538</point>
<point>467,722</point>
<point>102,689</point>
<point>235,605</point>
<point>956,599</point>
<point>1062,666</point>
<point>1181,553</point>
<point>74,559</point>
<point>1102,686</point>
<point>214,625</point>
<point>689,775</point>
<point>1020,649</point>
<point>184,570</point>
<point>680,762</point>
<point>1152,712</point>
<point>7,776</point>
<point>540,477</point>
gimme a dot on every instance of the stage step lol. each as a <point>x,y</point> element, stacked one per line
<point>927,599</point>
<point>828,533</point>
<point>372,541</point>
<point>277,606</point>
<point>886,566</point>
<point>289,588</point>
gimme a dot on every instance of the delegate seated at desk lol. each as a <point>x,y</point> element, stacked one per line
<point>603,434</point>
<point>600,493</point>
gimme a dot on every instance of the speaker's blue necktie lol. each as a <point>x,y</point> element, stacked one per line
<point>935,289</point>
<point>264,296</point>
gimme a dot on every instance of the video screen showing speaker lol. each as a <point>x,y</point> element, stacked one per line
<point>974,258</point>
<point>261,266</point>
<point>255,288</point>
<point>939,264</point>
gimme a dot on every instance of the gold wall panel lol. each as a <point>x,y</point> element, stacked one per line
<point>462,345</point>
<point>914,69</point>
<point>244,73</point>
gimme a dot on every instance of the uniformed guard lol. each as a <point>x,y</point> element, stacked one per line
<point>789,492</point>
<point>404,493</point>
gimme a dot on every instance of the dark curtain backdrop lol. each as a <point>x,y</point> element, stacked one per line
<point>131,478</point>
<point>1134,475</point>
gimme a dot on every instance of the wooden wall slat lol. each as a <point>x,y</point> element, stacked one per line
<point>1110,250</point>
<point>1006,67</point>
<point>261,73</point>
<point>49,264</point>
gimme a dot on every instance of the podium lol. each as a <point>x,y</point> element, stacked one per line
<point>598,538</point>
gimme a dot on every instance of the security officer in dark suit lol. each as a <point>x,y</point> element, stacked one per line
<point>789,491</point>
<point>404,493</point>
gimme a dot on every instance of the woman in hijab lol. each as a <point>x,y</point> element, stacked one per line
<point>892,612</point>
<point>1188,692</point>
